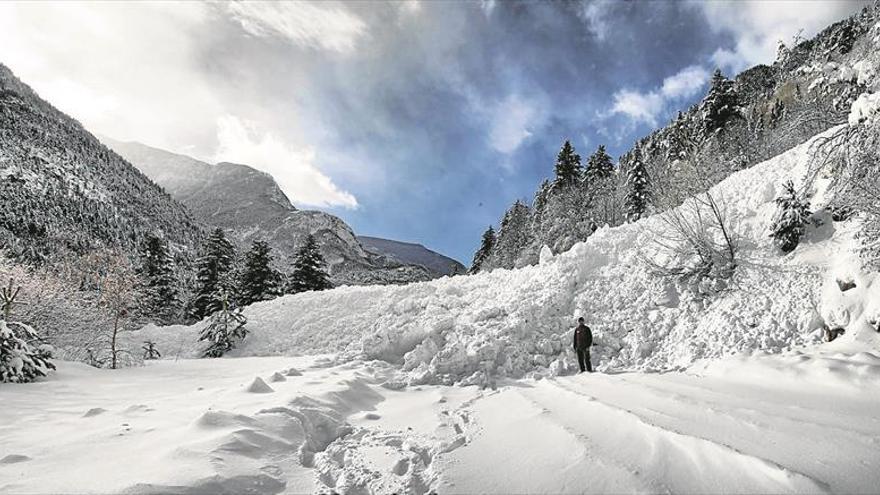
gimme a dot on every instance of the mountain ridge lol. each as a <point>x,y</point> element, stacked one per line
<point>250,204</point>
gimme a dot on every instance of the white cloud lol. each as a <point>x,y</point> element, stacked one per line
<point>640,107</point>
<point>686,83</point>
<point>757,26</point>
<point>594,15</point>
<point>511,123</point>
<point>294,169</point>
<point>319,25</point>
<point>126,70</point>
<point>646,107</point>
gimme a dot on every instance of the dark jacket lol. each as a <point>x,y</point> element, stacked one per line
<point>583,337</point>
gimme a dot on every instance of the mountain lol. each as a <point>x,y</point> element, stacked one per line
<point>740,122</point>
<point>250,206</point>
<point>63,192</point>
<point>410,253</point>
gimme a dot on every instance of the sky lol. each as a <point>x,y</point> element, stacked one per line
<point>420,121</point>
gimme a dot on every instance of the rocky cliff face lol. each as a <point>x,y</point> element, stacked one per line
<point>249,205</point>
<point>63,192</point>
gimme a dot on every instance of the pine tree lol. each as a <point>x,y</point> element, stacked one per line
<point>568,166</point>
<point>214,270</point>
<point>259,281</point>
<point>224,329</point>
<point>637,187</point>
<point>308,269</point>
<point>485,250</point>
<point>720,104</point>
<point>19,361</point>
<point>512,239</point>
<point>790,220</point>
<point>158,284</point>
<point>600,166</point>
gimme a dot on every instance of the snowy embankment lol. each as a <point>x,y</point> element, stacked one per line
<point>471,329</point>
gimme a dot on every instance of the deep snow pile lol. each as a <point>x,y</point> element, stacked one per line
<point>471,329</point>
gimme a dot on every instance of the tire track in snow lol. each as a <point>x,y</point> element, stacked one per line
<point>610,428</point>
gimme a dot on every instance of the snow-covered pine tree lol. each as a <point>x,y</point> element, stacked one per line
<point>720,104</point>
<point>214,269</point>
<point>637,187</point>
<point>512,239</point>
<point>484,251</point>
<point>19,361</point>
<point>308,269</point>
<point>159,289</point>
<point>225,328</point>
<point>568,166</point>
<point>600,166</point>
<point>790,220</point>
<point>259,281</point>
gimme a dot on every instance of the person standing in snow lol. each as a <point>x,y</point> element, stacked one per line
<point>583,339</point>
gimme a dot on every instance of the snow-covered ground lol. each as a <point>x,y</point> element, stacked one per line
<point>800,422</point>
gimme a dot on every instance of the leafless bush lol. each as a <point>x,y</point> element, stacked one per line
<point>695,244</point>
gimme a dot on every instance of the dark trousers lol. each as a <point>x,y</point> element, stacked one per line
<point>584,360</point>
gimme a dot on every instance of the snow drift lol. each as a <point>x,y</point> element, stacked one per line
<point>513,323</point>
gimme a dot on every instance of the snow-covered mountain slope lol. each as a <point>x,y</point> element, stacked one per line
<point>471,329</point>
<point>411,253</point>
<point>62,191</point>
<point>251,206</point>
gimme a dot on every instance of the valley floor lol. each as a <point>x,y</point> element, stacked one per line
<point>799,422</point>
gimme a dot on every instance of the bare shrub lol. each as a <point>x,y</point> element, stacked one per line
<point>695,245</point>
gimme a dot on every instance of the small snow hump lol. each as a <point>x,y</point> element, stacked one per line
<point>94,412</point>
<point>258,386</point>
<point>277,377</point>
<point>293,372</point>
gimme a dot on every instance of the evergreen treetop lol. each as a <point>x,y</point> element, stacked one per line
<point>308,269</point>
<point>600,166</point>
<point>259,281</point>
<point>214,268</point>
<point>158,283</point>
<point>789,223</point>
<point>637,187</point>
<point>482,254</point>
<point>568,166</point>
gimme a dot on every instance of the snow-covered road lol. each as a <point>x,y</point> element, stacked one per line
<point>197,426</point>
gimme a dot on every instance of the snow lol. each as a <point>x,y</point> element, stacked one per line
<point>864,108</point>
<point>517,323</point>
<point>791,423</point>
<point>465,384</point>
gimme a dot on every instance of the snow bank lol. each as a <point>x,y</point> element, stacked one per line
<point>471,329</point>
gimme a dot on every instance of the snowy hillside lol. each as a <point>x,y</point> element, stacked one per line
<point>518,322</point>
<point>251,206</point>
<point>63,193</point>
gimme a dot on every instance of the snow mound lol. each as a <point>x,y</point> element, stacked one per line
<point>514,323</point>
<point>258,386</point>
<point>277,377</point>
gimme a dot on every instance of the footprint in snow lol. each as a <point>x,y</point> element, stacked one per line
<point>372,416</point>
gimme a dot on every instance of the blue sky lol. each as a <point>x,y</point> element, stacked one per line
<point>419,121</point>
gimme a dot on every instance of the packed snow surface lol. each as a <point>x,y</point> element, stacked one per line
<point>798,422</point>
<point>517,323</point>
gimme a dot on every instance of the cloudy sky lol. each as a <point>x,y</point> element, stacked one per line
<point>412,120</point>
